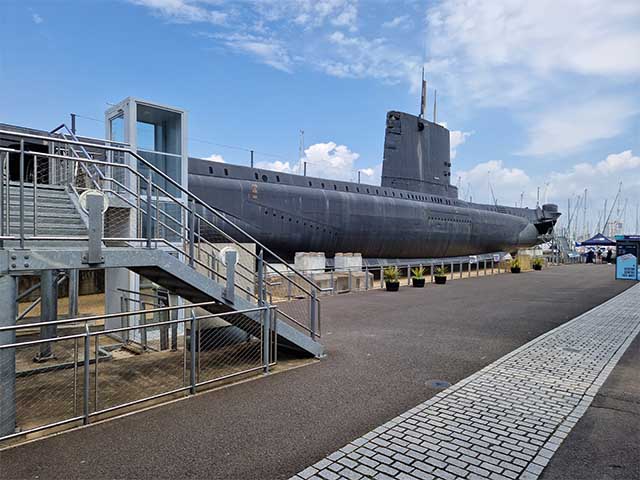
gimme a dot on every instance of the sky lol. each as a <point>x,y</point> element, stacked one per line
<point>539,96</point>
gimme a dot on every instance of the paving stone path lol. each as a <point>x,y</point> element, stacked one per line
<point>505,421</point>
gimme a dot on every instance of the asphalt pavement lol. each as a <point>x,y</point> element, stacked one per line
<point>383,352</point>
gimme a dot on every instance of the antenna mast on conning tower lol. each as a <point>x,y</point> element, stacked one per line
<point>423,98</point>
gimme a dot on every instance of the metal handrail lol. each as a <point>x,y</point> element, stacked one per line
<point>184,191</point>
<point>191,212</point>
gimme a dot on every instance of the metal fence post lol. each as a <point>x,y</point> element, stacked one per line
<point>230,257</point>
<point>2,208</point>
<point>8,293</point>
<point>35,195</point>
<point>22,193</point>
<point>451,270</point>
<point>95,205</point>
<point>87,374</point>
<point>260,279</point>
<point>193,344</point>
<point>312,313</point>
<point>149,214</point>
<point>408,275</point>
<point>266,340</point>
<point>491,265</point>
<point>192,234</point>
<point>431,271</point>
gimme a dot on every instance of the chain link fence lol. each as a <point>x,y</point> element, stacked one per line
<point>77,371</point>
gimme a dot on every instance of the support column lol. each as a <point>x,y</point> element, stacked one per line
<point>74,282</point>
<point>7,356</point>
<point>48,312</point>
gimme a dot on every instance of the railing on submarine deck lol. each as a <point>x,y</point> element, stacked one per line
<point>176,221</point>
<point>84,380</point>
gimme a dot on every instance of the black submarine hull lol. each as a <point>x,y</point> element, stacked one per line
<point>414,213</point>
<point>294,219</point>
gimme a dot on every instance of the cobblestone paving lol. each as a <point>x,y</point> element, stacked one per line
<point>505,421</point>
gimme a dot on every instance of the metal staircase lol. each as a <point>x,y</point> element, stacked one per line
<point>47,211</point>
<point>151,227</point>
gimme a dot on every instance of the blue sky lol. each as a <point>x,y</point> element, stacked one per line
<point>536,94</point>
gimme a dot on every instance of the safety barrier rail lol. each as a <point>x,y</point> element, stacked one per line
<point>168,216</point>
<point>93,372</point>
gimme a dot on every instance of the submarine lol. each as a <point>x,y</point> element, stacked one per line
<point>414,213</point>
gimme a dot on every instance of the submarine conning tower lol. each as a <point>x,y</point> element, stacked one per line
<point>416,155</point>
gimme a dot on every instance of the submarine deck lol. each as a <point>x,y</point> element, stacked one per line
<point>383,350</point>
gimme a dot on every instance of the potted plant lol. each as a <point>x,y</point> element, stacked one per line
<point>417,277</point>
<point>392,279</point>
<point>537,263</point>
<point>440,275</point>
<point>515,265</point>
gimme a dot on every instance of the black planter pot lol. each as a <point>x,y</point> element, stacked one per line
<point>440,280</point>
<point>537,267</point>
<point>392,286</point>
<point>418,282</point>
<point>515,269</point>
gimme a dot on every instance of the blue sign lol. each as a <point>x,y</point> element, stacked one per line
<point>627,267</point>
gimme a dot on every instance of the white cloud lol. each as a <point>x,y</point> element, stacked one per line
<point>327,160</point>
<point>360,57</point>
<point>601,178</point>
<point>402,21</point>
<point>214,157</point>
<point>184,11</point>
<point>266,49</point>
<point>504,50</point>
<point>572,127</point>
<point>507,183</point>
<point>37,19</point>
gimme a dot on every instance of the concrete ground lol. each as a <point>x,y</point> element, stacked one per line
<point>383,350</point>
<point>605,443</point>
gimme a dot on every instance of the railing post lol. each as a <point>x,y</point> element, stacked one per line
<point>2,207</point>
<point>408,275</point>
<point>230,257</point>
<point>35,195</point>
<point>192,232</point>
<point>312,313</point>
<point>451,266</point>
<point>87,377</point>
<point>95,205</point>
<point>266,340</point>
<point>8,293</point>
<point>21,193</point>
<point>491,265</point>
<point>260,279</point>
<point>149,222</point>
<point>193,345</point>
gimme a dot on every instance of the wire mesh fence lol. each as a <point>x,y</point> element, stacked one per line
<point>82,371</point>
